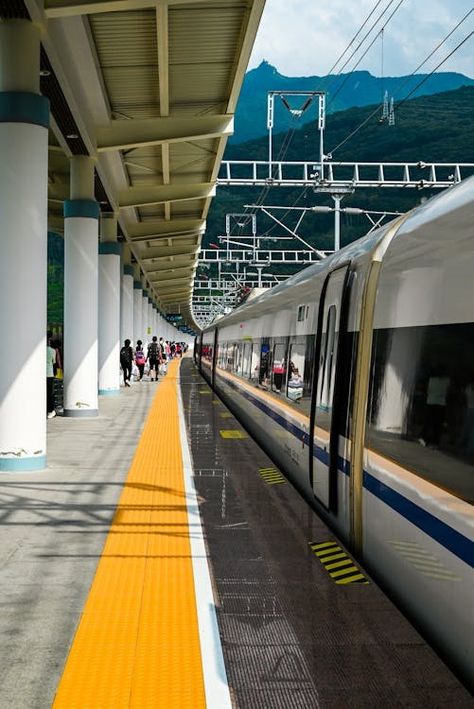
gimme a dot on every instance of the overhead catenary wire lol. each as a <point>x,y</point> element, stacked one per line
<point>333,68</point>
<point>347,77</point>
<point>407,79</point>
<point>420,83</point>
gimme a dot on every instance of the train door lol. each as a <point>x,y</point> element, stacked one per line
<point>214,359</point>
<point>332,324</point>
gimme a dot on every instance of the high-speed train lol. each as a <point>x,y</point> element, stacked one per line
<point>357,376</point>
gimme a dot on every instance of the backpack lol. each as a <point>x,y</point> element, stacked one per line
<point>139,357</point>
<point>126,355</point>
<point>153,350</point>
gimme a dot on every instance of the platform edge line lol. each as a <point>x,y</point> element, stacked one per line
<point>215,676</point>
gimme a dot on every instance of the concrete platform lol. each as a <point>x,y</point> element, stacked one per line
<point>53,525</point>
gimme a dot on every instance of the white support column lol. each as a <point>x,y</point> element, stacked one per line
<point>24,121</point>
<point>137,305</point>
<point>109,307</point>
<point>126,304</point>
<point>81,292</point>
<point>155,320</point>
<point>146,337</point>
<point>150,317</point>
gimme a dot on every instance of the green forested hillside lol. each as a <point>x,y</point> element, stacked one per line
<point>55,278</point>
<point>431,128</point>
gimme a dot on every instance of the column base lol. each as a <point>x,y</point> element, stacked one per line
<point>13,465</point>
<point>109,392</point>
<point>81,413</point>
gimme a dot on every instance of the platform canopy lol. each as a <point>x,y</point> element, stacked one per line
<point>149,87</point>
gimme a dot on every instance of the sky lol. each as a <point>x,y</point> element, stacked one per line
<point>306,37</point>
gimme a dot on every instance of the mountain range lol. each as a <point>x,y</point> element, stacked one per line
<point>359,88</point>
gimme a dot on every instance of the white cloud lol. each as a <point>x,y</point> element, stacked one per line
<point>305,37</point>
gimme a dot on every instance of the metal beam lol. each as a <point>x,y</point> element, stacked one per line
<point>66,8</point>
<point>179,271</point>
<point>151,194</point>
<point>253,22</point>
<point>166,252</point>
<point>183,281</point>
<point>163,57</point>
<point>164,266</point>
<point>343,175</point>
<point>137,133</point>
<point>167,229</point>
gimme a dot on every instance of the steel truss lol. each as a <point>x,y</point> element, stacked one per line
<point>343,175</point>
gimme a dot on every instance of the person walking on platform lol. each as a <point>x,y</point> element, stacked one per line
<point>154,357</point>
<point>126,359</point>
<point>50,364</point>
<point>140,359</point>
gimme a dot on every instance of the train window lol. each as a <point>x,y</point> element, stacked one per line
<point>221,354</point>
<point>246,359</point>
<point>279,367</point>
<point>255,363</point>
<point>238,358</point>
<point>300,373</point>
<point>421,407</point>
<point>327,368</point>
<point>230,357</point>
<point>265,364</point>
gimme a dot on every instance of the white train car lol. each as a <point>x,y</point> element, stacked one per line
<point>357,377</point>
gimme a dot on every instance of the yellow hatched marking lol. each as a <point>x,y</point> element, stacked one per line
<point>331,557</point>
<point>137,644</point>
<point>323,545</point>
<point>204,391</point>
<point>226,415</point>
<point>271,474</point>
<point>358,577</point>
<point>342,572</point>
<point>233,434</point>
<point>328,550</point>
<point>338,564</point>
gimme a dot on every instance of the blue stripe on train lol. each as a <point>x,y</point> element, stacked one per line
<point>454,541</point>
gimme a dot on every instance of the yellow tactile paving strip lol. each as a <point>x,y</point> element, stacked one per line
<point>137,643</point>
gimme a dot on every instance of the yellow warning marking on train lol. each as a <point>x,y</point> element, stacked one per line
<point>423,561</point>
<point>339,565</point>
<point>137,644</point>
<point>272,476</point>
<point>233,434</point>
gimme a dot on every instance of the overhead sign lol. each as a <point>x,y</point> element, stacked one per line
<point>174,317</point>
